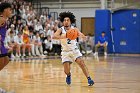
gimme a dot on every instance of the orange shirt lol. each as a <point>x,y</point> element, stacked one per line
<point>26,38</point>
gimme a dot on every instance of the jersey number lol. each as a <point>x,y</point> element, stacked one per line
<point>68,41</point>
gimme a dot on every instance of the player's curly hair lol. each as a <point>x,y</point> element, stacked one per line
<point>68,14</point>
<point>4,6</point>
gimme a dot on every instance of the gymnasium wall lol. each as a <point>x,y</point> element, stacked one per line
<point>102,23</point>
<point>126,32</point>
<point>79,13</point>
<point>126,29</point>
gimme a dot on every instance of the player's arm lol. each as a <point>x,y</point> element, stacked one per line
<point>2,21</point>
<point>0,37</point>
<point>80,34</point>
<point>58,35</point>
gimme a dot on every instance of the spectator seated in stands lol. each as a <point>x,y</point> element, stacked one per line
<point>26,39</point>
<point>24,23</point>
<point>19,41</point>
<point>48,44</point>
<point>102,42</point>
<point>12,44</point>
<point>38,45</point>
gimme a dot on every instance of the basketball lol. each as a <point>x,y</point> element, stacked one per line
<point>72,34</point>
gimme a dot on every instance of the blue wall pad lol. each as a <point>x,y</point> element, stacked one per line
<point>102,23</point>
<point>126,32</point>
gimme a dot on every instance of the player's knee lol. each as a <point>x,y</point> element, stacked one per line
<point>82,65</point>
<point>80,61</point>
<point>67,72</point>
<point>6,60</point>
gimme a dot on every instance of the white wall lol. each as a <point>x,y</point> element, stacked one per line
<point>79,13</point>
<point>66,5</point>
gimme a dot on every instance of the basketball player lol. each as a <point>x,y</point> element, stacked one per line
<point>5,12</point>
<point>70,51</point>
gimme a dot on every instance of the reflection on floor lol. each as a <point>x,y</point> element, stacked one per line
<point>114,74</point>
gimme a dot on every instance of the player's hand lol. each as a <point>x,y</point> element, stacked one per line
<point>81,35</point>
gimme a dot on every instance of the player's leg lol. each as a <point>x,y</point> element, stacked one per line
<point>3,62</point>
<point>67,72</point>
<point>6,60</point>
<point>82,65</point>
<point>67,68</point>
<point>66,60</point>
<point>79,60</point>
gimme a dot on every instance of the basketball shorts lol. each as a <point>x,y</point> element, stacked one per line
<point>70,56</point>
<point>3,51</point>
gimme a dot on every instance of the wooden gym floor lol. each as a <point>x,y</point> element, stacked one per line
<point>114,74</point>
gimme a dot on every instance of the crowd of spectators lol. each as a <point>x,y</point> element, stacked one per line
<point>30,33</point>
